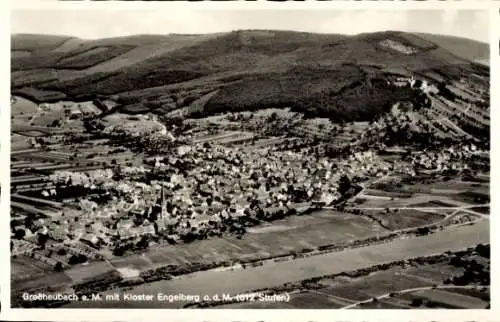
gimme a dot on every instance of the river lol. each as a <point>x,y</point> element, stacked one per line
<point>275,274</point>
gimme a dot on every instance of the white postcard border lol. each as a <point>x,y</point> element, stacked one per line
<point>241,315</point>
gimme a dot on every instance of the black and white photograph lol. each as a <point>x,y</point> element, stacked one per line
<point>250,159</point>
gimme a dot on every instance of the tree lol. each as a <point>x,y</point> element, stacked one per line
<point>73,260</point>
<point>55,123</point>
<point>61,252</point>
<point>483,250</point>
<point>42,240</point>
<point>456,261</point>
<point>143,243</point>
<point>344,184</point>
<point>119,251</point>
<point>82,258</point>
<point>417,302</point>
<point>423,231</point>
<point>58,267</point>
<point>19,234</point>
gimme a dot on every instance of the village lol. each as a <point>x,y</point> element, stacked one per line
<point>88,188</point>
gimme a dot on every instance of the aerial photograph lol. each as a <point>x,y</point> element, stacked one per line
<point>227,159</point>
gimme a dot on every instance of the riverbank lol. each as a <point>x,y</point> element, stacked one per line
<point>278,273</point>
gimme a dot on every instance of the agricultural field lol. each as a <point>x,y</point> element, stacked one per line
<point>53,118</point>
<point>416,201</point>
<point>382,304</point>
<point>436,187</point>
<point>482,293</point>
<point>295,233</point>
<point>20,142</point>
<point>388,194</point>
<point>435,204</point>
<point>83,273</point>
<point>22,110</point>
<point>441,298</point>
<point>484,210</point>
<point>28,274</point>
<point>23,267</point>
<point>434,274</point>
<point>460,217</point>
<point>136,262</point>
<point>398,287</point>
<point>406,218</point>
<point>373,285</point>
<point>472,197</point>
<point>310,300</point>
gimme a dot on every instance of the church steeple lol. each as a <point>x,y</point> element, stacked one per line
<point>163,203</point>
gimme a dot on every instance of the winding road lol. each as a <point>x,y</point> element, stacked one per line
<point>411,290</point>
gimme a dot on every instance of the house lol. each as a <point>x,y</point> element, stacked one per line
<point>102,105</point>
<point>58,235</point>
<point>75,114</point>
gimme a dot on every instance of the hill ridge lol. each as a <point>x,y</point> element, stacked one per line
<point>136,69</point>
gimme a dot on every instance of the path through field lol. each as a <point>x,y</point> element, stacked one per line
<point>412,290</point>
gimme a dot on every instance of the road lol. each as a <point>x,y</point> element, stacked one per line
<point>278,273</point>
<point>464,208</point>
<point>411,290</point>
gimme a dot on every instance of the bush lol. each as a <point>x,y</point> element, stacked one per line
<point>58,267</point>
<point>417,302</point>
